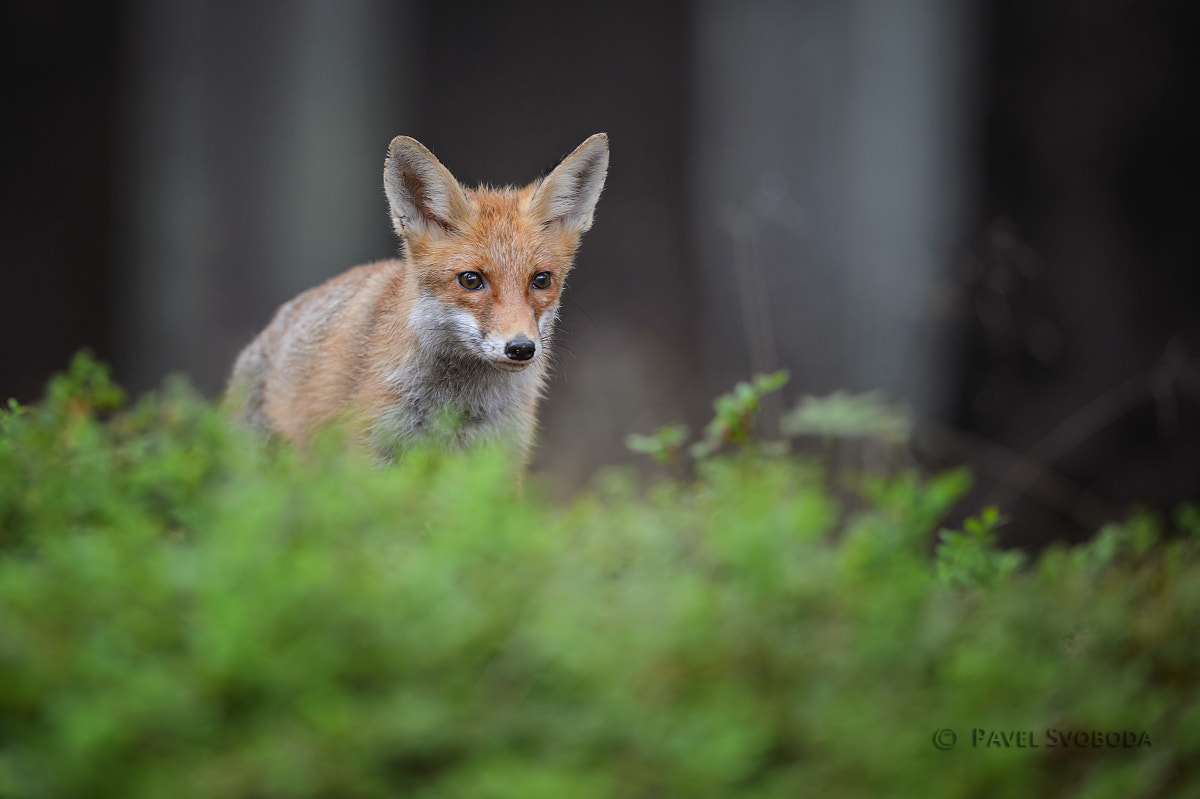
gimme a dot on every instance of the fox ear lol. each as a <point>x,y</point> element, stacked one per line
<point>568,195</point>
<point>423,195</point>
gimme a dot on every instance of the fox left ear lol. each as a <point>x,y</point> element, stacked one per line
<point>424,197</point>
<point>568,195</point>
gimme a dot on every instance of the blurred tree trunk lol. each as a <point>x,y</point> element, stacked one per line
<point>829,178</point>
<point>57,217</point>
<point>254,167</point>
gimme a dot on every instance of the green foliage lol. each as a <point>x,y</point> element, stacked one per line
<point>838,416</point>
<point>731,425</point>
<point>664,445</point>
<point>970,559</point>
<point>843,415</point>
<point>187,613</point>
<point>735,413</point>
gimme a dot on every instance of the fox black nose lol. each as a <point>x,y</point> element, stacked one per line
<point>520,349</point>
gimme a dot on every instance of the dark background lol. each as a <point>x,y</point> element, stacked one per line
<point>984,209</point>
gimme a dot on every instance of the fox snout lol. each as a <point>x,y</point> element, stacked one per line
<point>510,352</point>
<point>520,348</point>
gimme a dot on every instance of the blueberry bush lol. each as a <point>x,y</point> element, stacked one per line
<point>186,612</point>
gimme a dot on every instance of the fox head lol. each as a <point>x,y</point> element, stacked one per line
<point>489,264</point>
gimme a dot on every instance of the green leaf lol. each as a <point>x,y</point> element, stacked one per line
<point>843,415</point>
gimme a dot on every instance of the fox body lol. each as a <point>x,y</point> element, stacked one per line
<point>462,323</point>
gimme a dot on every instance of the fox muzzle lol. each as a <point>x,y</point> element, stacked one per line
<point>520,349</point>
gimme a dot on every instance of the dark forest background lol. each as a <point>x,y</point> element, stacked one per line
<point>985,209</point>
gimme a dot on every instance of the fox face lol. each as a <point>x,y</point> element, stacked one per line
<point>490,265</point>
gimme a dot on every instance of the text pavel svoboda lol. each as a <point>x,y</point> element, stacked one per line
<point>1054,738</point>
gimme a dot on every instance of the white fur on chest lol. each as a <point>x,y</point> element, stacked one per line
<point>484,402</point>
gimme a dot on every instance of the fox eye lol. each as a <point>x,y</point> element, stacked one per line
<point>541,280</point>
<point>471,281</point>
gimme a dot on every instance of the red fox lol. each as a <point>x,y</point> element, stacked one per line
<point>461,323</point>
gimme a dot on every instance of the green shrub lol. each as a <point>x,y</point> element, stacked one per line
<point>187,613</point>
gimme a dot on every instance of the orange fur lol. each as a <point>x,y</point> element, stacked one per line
<point>388,346</point>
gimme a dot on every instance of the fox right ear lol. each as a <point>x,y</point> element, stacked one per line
<point>424,197</point>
